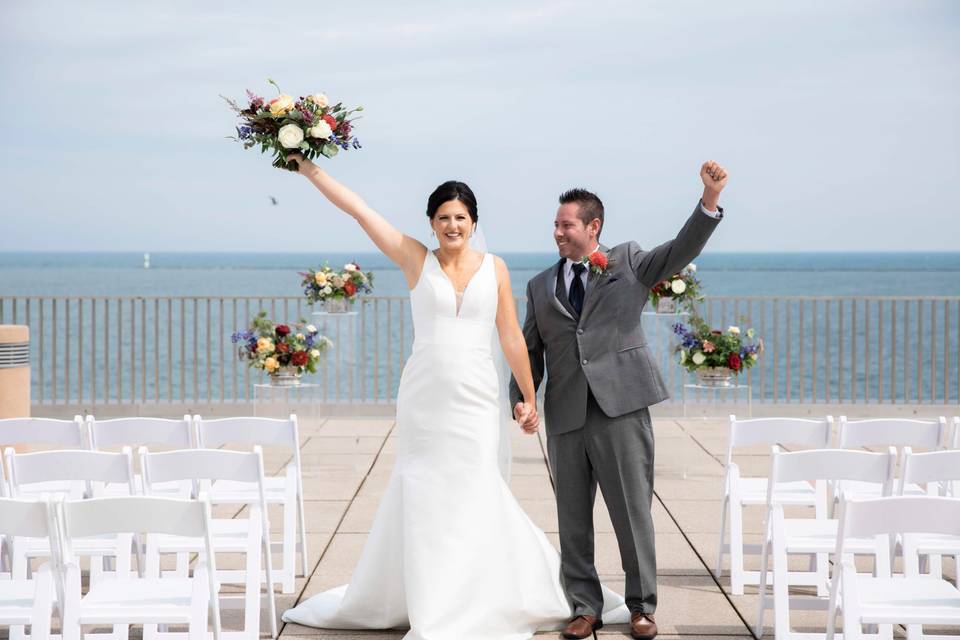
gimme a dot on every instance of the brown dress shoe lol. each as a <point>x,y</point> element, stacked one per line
<point>581,627</point>
<point>642,626</point>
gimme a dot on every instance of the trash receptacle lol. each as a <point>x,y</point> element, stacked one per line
<point>14,371</point>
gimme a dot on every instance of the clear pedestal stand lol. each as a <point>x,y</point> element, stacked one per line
<point>339,365</point>
<point>273,401</point>
<point>735,388</point>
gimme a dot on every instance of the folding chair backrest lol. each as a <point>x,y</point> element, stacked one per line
<point>900,514</point>
<point>932,466</point>
<point>140,431</point>
<point>69,465</point>
<point>833,465</point>
<point>135,514</point>
<point>784,431</point>
<point>67,434</point>
<point>202,464</point>
<point>28,518</point>
<point>897,432</point>
<point>263,431</point>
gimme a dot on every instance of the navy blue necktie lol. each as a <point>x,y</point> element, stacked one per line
<point>575,296</point>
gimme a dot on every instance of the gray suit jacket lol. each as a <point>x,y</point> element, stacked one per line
<point>604,348</point>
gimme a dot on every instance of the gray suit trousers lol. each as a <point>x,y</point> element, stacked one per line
<point>617,453</point>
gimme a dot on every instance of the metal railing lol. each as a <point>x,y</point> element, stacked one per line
<point>118,350</point>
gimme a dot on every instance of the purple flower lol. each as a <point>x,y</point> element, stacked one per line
<point>244,132</point>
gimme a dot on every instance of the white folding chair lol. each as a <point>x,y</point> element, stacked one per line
<point>148,432</point>
<point>285,489</point>
<point>26,601</point>
<point>940,472</point>
<point>80,474</point>
<point>147,600</point>
<point>740,491</point>
<point>46,433</point>
<point>815,536</point>
<point>883,600</point>
<point>249,536</point>
<point>887,432</point>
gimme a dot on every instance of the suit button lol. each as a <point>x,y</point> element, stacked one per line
<point>584,361</point>
<point>579,332</point>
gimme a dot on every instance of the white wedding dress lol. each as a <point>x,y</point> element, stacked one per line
<point>451,554</point>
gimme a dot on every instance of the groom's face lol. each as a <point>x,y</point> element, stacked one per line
<point>574,238</point>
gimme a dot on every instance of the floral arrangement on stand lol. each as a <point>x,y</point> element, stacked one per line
<point>335,289</point>
<point>308,125</point>
<point>283,351</point>
<point>713,355</point>
<point>679,291</point>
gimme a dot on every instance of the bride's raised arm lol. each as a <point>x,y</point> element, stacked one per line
<point>406,252</point>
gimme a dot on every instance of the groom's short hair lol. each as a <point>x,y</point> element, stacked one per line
<point>590,205</point>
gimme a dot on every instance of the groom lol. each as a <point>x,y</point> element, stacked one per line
<point>583,317</point>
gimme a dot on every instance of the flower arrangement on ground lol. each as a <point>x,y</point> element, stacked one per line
<point>682,288</point>
<point>326,283</point>
<point>268,346</point>
<point>702,347</point>
<point>309,125</point>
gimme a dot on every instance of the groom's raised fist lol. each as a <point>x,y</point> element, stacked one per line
<point>714,176</point>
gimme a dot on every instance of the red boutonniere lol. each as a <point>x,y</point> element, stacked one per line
<point>597,262</point>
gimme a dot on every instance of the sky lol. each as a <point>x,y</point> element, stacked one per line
<point>838,121</point>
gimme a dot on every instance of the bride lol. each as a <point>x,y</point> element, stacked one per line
<point>450,554</point>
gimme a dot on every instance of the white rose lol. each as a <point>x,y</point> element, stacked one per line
<point>300,336</point>
<point>311,328</point>
<point>350,267</point>
<point>314,353</point>
<point>320,130</point>
<point>692,268</point>
<point>337,281</point>
<point>319,99</point>
<point>734,330</point>
<point>699,358</point>
<point>678,286</point>
<point>290,136</point>
<point>328,290</point>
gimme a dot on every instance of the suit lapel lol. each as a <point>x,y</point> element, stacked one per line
<point>594,282</point>
<point>557,293</point>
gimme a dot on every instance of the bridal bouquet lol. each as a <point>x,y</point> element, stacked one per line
<point>270,346</point>
<point>683,288</point>
<point>704,348</point>
<point>325,283</point>
<point>310,125</point>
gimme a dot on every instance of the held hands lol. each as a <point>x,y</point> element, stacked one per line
<point>525,414</point>
<point>714,180</point>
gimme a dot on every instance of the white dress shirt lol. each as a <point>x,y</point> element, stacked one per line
<point>568,265</point>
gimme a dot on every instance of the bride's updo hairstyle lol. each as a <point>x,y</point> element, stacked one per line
<point>452,190</point>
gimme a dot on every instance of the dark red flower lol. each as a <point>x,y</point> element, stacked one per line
<point>349,288</point>
<point>344,128</point>
<point>283,347</point>
<point>734,362</point>
<point>599,260</point>
<point>330,120</point>
<point>299,358</point>
<point>282,330</point>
